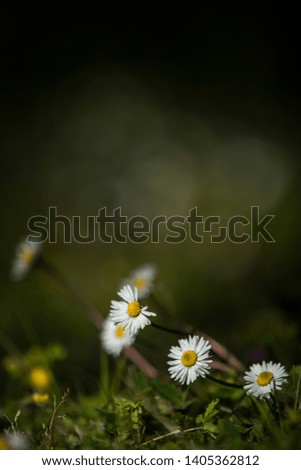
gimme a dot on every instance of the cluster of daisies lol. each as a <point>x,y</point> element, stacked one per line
<point>189,360</point>
<point>128,316</point>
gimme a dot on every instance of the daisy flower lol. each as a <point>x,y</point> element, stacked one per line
<point>190,359</point>
<point>263,378</point>
<point>143,279</point>
<point>17,441</point>
<point>114,338</point>
<point>26,255</point>
<point>129,312</point>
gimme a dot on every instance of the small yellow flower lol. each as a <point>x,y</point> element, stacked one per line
<point>3,443</point>
<point>39,378</point>
<point>40,398</point>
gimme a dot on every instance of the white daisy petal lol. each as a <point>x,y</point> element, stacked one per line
<point>142,279</point>
<point>114,338</point>
<point>126,294</point>
<point>128,312</point>
<point>17,440</point>
<point>262,379</point>
<point>189,359</point>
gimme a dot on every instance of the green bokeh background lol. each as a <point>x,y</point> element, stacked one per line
<point>156,116</point>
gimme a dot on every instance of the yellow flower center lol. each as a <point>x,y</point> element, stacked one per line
<point>134,309</point>
<point>264,378</point>
<point>140,283</point>
<point>119,331</point>
<point>189,358</point>
<point>39,378</point>
<point>27,255</point>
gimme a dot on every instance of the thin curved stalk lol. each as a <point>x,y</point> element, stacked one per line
<point>97,319</point>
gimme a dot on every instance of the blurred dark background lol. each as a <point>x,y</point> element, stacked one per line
<point>156,112</point>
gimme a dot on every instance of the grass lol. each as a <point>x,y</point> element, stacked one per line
<point>137,406</point>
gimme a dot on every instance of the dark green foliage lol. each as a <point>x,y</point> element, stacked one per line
<point>131,411</point>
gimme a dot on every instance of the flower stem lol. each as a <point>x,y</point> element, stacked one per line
<point>222,382</point>
<point>96,318</point>
<point>217,347</point>
<point>168,330</point>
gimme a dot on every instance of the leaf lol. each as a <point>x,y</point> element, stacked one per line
<point>265,413</point>
<point>211,427</point>
<point>170,393</point>
<point>209,414</point>
<point>295,373</point>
